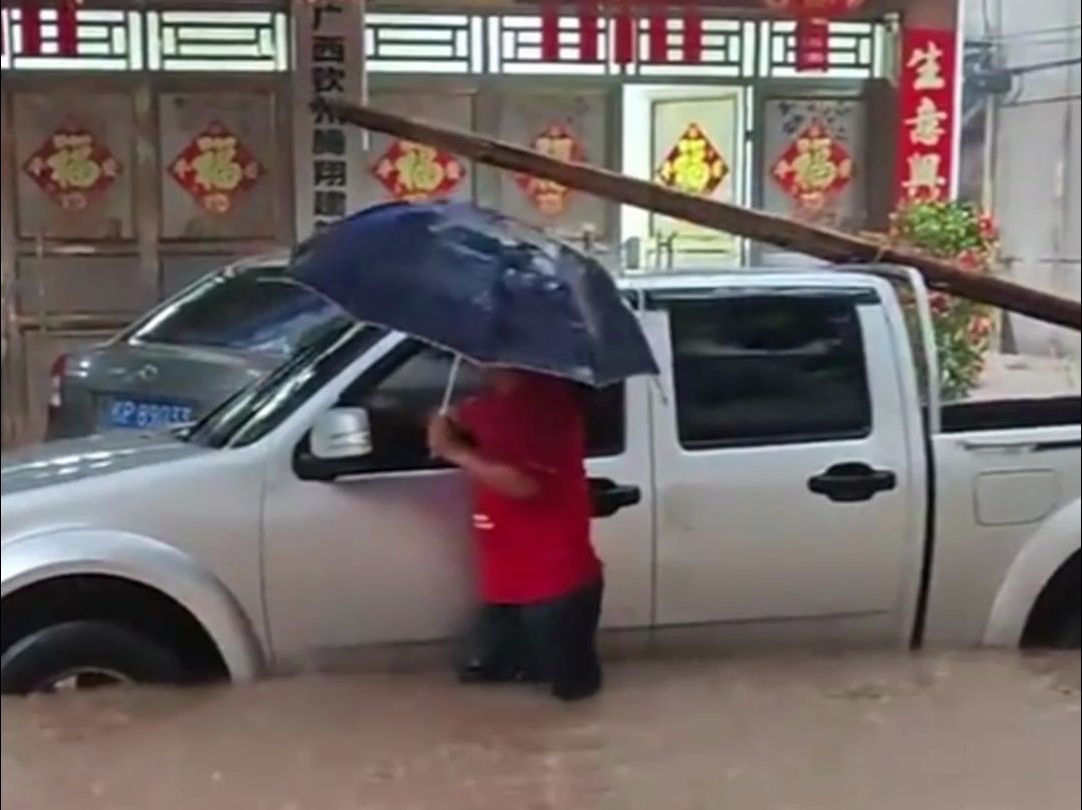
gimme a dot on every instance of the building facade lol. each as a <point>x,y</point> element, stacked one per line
<point>159,139</point>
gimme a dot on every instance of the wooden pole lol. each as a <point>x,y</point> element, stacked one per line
<point>823,243</point>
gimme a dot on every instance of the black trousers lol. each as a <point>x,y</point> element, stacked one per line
<point>552,642</point>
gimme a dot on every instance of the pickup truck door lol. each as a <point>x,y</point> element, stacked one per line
<point>788,485</point>
<point>384,555</point>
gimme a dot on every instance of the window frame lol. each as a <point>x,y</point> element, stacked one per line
<point>854,297</point>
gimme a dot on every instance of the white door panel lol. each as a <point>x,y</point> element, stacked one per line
<point>741,537</point>
<point>372,559</point>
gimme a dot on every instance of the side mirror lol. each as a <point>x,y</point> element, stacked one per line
<point>341,433</point>
<point>336,445</point>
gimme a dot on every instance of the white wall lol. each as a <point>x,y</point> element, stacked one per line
<point>1036,141</point>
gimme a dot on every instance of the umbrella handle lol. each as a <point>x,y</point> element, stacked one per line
<point>445,405</point>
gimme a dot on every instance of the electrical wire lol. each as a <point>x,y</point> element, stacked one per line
<point>1010,44</point>
<point>1036,67</point>
<point>1038,32</point>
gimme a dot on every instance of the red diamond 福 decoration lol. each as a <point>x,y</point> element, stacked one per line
<point>693,165</point>
<point>412,171</point>
<point>813,167</point>
<point>71,166</point>
<point>548,196</point>
<point>215,168</point>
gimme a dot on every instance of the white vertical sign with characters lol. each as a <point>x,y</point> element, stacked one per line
<point>328,155</point>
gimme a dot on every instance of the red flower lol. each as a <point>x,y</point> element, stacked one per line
<point>939,302</point>
<point>987,226</point>
<point>980,327</point>
<point>969,259</point>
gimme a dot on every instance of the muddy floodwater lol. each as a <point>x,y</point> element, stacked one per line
<point>960,731</point>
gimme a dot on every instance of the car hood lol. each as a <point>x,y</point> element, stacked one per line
<point>64,462</point>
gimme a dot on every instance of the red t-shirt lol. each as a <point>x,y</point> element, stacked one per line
<point>538,548</point>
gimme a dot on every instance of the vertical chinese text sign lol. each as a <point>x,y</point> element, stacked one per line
<point>926,96</point>
<point>329,157</point>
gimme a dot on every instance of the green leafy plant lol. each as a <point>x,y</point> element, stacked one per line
<point>963,329</point>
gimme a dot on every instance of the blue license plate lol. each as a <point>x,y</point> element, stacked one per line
<point>125,412</point>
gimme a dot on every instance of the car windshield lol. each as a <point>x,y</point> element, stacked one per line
<point>254,309</point>
<point>256,410</point>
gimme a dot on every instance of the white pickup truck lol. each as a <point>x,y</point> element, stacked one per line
<point>791,479</point>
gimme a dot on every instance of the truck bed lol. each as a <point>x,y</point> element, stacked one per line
<point>1013,412</point>
<point>1019,391</point>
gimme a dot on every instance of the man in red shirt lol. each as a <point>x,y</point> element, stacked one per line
<point>522,444</point>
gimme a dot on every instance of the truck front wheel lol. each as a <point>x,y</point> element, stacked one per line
<point>85,654</point>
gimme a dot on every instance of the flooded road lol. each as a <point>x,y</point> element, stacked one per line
<point>988,731</point>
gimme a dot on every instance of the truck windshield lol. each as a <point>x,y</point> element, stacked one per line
<point>256,410</point>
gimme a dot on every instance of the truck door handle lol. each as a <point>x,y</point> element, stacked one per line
<point>851,481</point>
<point>608,497</point>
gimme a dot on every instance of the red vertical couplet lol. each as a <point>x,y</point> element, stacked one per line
<point>550,31</point>
<point>623,34</point>
<point>67,28</point>
<point>812,44</point>
<point>927,90</point>
<point>30,28</point>
<point>693,33</point>
<point>589,31</point>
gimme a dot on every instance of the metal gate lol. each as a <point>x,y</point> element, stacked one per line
<point>121,185</point>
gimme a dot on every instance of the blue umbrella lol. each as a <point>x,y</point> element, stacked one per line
<point>481,285</point>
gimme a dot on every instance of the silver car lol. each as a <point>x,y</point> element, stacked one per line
<point>188,354</point>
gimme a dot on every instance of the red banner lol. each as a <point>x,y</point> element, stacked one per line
<point>926,94</point>
<point>812,38</point>
<point>31,28</point>
<point>623,33</point>
<point>67,28</point>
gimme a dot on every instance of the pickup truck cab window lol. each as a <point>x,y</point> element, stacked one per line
<point>402,391</point>
<point>768,369</point>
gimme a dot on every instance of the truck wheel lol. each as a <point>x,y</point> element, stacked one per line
<point>85,655</point>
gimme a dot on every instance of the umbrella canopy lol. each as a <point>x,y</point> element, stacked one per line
<point>479,284</point>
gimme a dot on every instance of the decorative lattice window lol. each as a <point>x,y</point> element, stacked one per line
<point>249,41</point>
<point>855,50</point>
<point>728,47</point>
<point>514,46</point>
<point>259,41</point>
<point>424,43</point>
<point>106,40</point>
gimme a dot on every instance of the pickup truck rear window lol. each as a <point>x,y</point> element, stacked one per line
<point>768,369</point>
